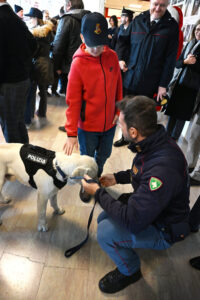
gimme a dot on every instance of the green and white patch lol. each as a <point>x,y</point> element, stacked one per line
<point>155,183</point>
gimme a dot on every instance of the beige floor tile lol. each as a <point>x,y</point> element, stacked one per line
<point>19,278</point>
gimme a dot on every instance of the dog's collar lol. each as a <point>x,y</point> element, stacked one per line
<point>64,176</point>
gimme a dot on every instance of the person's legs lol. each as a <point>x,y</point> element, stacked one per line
<point>30,103</point>
<point>88,142</point>
<point>12,108</point>
<point>193,148</point>
<point>194,218</point>
<point>177,129</point>
<point>170,125</point>
<point>119,243</point>
<point>104,148</point>
<point>42,109</point>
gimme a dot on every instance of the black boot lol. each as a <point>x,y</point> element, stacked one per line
<point>121,142</point>
<point>115,281</point>
<point>62,128</point>
<point>194,182</point>
<point>195,262</point>
<point>85,197</point>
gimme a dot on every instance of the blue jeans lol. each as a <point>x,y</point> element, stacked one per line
<point>97,145</point>
<point>119,243</point>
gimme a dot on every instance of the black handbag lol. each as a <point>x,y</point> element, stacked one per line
<point>43,71</point>
<point>189,78</point>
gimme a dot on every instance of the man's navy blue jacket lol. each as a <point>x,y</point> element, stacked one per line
<point>153,52</point>
<point>160,181</point>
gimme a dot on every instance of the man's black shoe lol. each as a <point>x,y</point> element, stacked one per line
<point>62,128</point>
<point>115,281</point>
<point>191,170</point>
<point>121,142</point>
<point>194,182</point>
<point>195,262</point>
<point>55,94</point>
<point>85,197</point>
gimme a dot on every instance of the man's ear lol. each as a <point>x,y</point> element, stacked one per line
<point>133,132</point>
<point>82,38</point>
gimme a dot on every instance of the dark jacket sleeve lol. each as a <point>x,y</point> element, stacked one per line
<point>144,206</point>
<point>123,177</point>
<point>170,57</point>
<point>60,43</point>
<point>123,46</point>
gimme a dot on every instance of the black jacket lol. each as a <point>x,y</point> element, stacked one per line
<point>182,100</point>
<point>17,47</point>
<point>67,39</point>
<point>158,157</point>
<point>152,53</point>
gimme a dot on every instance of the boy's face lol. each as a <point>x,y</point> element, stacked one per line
<point>95,51</point>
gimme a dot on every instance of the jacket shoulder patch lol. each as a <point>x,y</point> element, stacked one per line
<point>155,184</point>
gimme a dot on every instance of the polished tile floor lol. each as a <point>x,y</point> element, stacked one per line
<point>33,265</point>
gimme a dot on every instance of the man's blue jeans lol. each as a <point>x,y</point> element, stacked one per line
<point>97,145</point>
<point>119,243</point>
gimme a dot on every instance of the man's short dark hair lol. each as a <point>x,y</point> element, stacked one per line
<point>139,112</point>
<point>75,4</point>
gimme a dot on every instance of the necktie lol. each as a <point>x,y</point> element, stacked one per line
<point>152,23</point>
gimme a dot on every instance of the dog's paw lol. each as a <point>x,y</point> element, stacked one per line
<point>59,211</point>
<point>43,228</point>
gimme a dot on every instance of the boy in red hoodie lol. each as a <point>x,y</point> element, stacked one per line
<point>94,87</point>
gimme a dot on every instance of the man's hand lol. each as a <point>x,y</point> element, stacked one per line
<point>107,180</point>
<point>190,60</point>
<point>110,36</point>
<point>115,119</point>
<point>69,145</point>
<point>161,93</point>
<point>89,188</point>
<point>123,66</point>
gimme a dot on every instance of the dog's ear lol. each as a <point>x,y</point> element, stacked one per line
<point>80,171</point>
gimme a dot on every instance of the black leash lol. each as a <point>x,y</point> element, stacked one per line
<point>74,249</point>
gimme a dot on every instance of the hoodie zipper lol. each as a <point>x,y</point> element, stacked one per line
<point>105,90</point>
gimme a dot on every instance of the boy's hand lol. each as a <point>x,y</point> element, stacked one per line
<point>69,145</point>
<point>115,119</point>
<point>89,188</point>
<point>107,180</point>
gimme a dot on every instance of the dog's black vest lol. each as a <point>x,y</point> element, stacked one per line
<point>35,158</point>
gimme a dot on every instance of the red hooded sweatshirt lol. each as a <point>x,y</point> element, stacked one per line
<point>94,87</point>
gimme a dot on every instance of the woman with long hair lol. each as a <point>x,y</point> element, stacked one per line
<point>113,21</point>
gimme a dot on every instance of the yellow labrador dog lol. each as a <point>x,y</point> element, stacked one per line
<point>45,170</point>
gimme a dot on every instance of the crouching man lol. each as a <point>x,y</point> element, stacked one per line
<point>156,214</point>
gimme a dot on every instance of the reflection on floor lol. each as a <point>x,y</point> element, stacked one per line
<point>33,266</point>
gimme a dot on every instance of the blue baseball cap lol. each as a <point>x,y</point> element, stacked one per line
<point>94,29</point>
